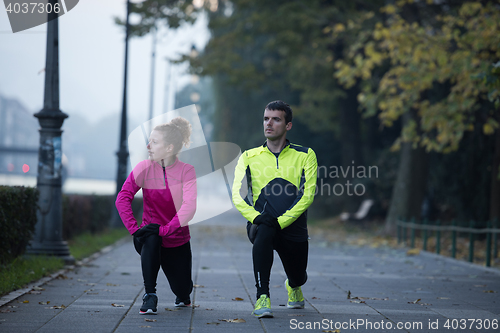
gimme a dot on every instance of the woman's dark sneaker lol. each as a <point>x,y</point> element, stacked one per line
<point>149,304</point>
<point>183,303</point>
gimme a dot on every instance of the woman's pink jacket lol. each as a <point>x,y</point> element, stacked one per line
<point>169,199</point>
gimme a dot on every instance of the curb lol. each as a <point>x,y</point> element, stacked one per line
<point>20,292</point>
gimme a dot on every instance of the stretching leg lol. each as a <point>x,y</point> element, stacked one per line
<point>263,255</point>
<point>149,249</point>
<point>176,263</point>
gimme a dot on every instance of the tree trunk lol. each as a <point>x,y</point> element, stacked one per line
<point>351,148</point>
<point>495,181</point>
<point>409,189</point>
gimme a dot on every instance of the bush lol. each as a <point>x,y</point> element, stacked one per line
<point>18,207</point>
<point>80,213</point>
<point>85,213</point>
<point>90,213</point>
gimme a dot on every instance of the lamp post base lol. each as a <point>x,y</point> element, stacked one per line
<point>57,249</point>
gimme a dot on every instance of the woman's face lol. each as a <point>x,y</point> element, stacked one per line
<point>157,148</point>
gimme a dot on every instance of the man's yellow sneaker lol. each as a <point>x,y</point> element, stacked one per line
<point>263,307</point>
<point>295,297</point>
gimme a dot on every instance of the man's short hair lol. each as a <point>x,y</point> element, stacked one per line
<point>281,106</point>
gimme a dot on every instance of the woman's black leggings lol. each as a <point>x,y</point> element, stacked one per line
<point>293,255</point>
<point>176,263</point>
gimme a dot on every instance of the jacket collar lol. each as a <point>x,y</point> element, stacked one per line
<point>287,143</point>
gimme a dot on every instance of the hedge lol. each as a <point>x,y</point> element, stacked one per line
<point>17,220</point>
<point>80,213</point>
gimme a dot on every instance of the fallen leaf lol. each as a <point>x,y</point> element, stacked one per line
<point>205,267</point>
<point>415,302</point>
<point>90,284</point>
<point>330,331</point>
<point>44,303</point>
<point>489,291</point>
<point>26,301</point>
<point>237,320</point>
<point>198,286</point>
<point>150,320</point>
<point>213,323</point>
<point>355,301</point>
<point>314,297</point>
<point>42,289</point>
<point>61,277</point>
<point>195,305</point>
<point>56,307</point>
<point>112,285</point>
<point>237,299</point>
<point>208,309</point>
<point>413,252</point>
<point>117,305</point>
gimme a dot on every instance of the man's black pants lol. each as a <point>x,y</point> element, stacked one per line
<point>293,255</point>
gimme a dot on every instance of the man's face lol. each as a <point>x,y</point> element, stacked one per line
<point>274,124</point>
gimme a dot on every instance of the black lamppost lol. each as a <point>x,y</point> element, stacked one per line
<point>122,153</point>
<point>48,230</point>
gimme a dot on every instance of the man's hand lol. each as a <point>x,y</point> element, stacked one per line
<point>268,220</point>
<point>150,229</point>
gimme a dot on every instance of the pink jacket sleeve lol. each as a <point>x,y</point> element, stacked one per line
<point>124,203</point>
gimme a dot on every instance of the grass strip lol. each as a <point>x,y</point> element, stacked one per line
<point>87,244</point>
<point>26,269</point>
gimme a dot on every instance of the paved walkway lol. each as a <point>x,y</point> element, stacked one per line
<point>349,289</point>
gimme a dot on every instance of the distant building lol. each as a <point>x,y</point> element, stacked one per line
<point>18,132</point>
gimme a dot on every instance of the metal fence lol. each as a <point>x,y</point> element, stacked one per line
<point>437,229</point>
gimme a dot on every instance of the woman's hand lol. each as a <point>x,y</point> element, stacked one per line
<point>150,229</point>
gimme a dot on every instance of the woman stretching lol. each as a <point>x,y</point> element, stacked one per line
<point>169,203</point>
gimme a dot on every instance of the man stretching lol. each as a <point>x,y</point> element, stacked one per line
<point>280,186</point>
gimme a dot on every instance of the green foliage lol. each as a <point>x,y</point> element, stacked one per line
<point>153,13</point>
<point>453,49</point>
<point>17,220</point>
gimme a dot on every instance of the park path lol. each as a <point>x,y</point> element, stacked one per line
<point>350,289</point>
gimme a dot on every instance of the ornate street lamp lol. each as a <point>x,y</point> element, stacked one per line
<point>48,230</point>
<point>121,174</point>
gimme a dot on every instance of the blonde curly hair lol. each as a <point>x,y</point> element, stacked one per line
<point>176,132</point>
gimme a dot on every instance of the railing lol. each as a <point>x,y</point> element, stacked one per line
<point>491,232</point>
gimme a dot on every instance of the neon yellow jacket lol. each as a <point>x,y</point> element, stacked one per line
<point>282,186</point>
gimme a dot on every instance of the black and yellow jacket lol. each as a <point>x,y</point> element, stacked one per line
<point>282,185</point>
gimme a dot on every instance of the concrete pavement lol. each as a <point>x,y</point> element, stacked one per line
<point>350,289</point>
